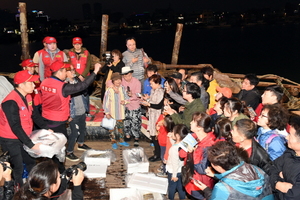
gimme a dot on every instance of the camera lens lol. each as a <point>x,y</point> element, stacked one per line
<point>82,166</point>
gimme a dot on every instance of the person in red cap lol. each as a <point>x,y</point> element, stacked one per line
<point>46,56</point>
<point>17,114</point>
<point>56,95</point>
<point>29,65</point>
<point>80,58</point>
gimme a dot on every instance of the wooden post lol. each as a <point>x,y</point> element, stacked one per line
<point>104,30</point>
<point>24,34</point>
<point>176,44</point>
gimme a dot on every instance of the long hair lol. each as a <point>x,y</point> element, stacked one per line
<point>40,178</point>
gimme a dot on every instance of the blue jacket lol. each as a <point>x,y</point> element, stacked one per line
<point>276,146</point>
<point>244,181</point>
<point>147,88</point>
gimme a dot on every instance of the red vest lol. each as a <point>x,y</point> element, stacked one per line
<point>25,112</point>
<point>79,63</point>
<point>55,106</point>
<point>46,58</point>
<point>36,95</point>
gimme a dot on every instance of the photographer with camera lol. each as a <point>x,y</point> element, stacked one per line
<point>6,190</point>
<point>44,180</point>
<point>113,63</point>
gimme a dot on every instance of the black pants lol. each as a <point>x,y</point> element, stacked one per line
<point>18,156</point>
<point>58,127</point>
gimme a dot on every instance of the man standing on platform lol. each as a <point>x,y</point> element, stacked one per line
<point>136,59</point>
<point>80,58</point>
<point>56,95</point>
<point>48,55</point>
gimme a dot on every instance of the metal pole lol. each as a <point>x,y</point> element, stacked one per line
<point>24,34</point>
<point>177,44</point>
<point>104,30</point>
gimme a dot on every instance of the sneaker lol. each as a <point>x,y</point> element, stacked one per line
<point>136,143</point>
<point>124,144</point>
<point>114,146</point>
<point>152,145</point>
<point>84,147</point>
<point>162,174</point>
<point>72,157</point>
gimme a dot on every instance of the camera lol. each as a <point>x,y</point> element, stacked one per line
<point>4,158</point>
<point>108,57</point>
<point>73,170</point>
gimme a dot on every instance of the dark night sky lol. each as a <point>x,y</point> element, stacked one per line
<point>72,8</point>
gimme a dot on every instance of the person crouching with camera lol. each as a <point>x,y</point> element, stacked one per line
<point>7,190</point>
<point>44,180</point>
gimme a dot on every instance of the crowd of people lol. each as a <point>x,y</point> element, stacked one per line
<point>247,144</point>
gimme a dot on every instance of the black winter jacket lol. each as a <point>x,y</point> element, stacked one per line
<point>260,157</point>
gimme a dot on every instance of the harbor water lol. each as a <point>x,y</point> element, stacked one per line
<point>260,49</point>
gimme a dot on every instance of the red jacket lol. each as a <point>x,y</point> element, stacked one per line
<point>55,106</point>
<point>162,132</point>
<point>79,63</point>
<point>46,58</point>
<point>25,113</point>
<point>200,162</point>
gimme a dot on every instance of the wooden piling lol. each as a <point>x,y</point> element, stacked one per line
<point>24,33</point>
<point>104,31</point>
<point>176,47</point>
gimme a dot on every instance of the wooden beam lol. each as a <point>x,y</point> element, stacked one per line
<point>177,41</point>
<point>104,31</point>
<point>24,33</point>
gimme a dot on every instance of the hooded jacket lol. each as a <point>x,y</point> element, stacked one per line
<point>244,181</point>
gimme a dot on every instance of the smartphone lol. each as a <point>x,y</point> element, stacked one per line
<point>251,111</point>
<point>128,88</point>
<point>195,180</point>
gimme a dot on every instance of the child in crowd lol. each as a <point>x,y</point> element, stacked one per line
<point>114,107</point>
<point>174,164</point>
<point>235,110</point>
<point>164,126</point>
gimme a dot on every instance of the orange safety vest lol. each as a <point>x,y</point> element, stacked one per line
<point>55,106</point>
<point>46,58</point>
<point>79,62</point>
<point>25,112</point>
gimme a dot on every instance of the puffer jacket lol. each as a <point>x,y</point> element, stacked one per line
<point>244,181</point>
